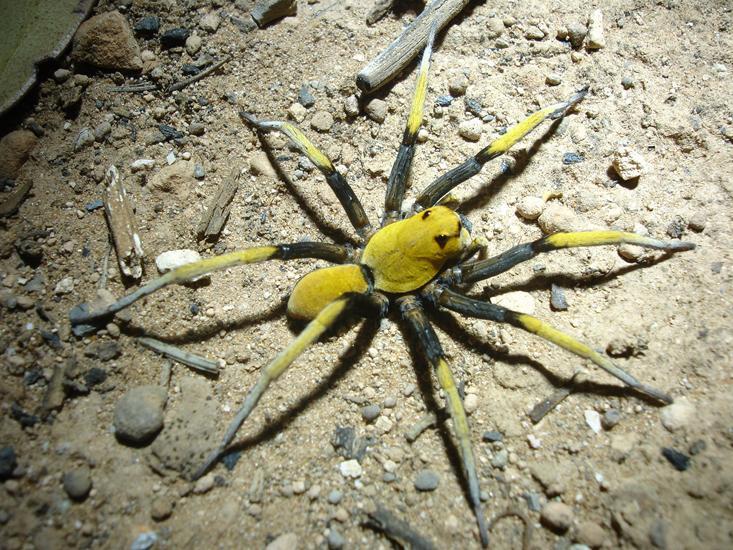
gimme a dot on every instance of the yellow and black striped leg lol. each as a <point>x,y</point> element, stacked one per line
<point>473,271</point>
<point>473,165</point>
<point>323,321</point>
<point>343,191</point>
<point>401,167</point>
<point>424,334</point>
<point>324,251</point>
<point>486,310</point>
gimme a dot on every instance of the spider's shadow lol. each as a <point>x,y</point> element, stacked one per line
<point>334,233</point>
<point>522,158</point>
<point>356,351</point>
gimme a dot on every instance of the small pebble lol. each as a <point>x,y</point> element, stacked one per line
<point>553,79</point>
<point>376,109</point>
<point>351,106</point>
<point>627,82</point>
<point>500,459</point>
<point>147,26</point>
<point>610,419</point>
<point>492,436</point>
<point>595,38</point>
<point>198,171</point>
<point>8,462</point>
<point>697,222</point>
<point>77,483</point>
<point>161,508</point>
<point>335,496</point>
<point>458,85</point>
<point>193,44</point>
<point>572,158</point>
<point>171,259</point>
<point>141,165</point>
<point>322,121</point>
<point>518,300</point>
<point>576,34</point>
<point>558,302</point>
<point>370,412</point>
<point>678,415</point>
<point>335,539</point>
<point>210,22</point>
<point>297,112</point>
<point>534,441</point>
<point>138,415</point>
<point>470,403</point>
<point>305,97</point>
<point>677,459</point>
<point>144,541</point>
<point>196,129</point>
<point>350,468</point>
<point>628,164</point>
<point>591,534</point>
<point>557,516</point>
<point>443,100</point>
<point>470,130</point>
<point>286,541</point>
<point>530,208</point>
<point>174,38</point>
<point>84,138</point>
<point>204,484</point>
<point>426,480</point>
<point>533,32</point>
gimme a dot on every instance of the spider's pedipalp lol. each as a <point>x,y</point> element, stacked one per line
<point>472,272</point>
<point>185,273</point>
<point>486,310</point>
<point>422,330</point>
<point>401,168</point>
<point>313,330</point>
<point>343,191</point>
<point>473,165</point>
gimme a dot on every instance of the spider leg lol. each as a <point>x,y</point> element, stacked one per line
<point>325,251</point>
<point>486,310</point>
<point>313,330</point>
<point>473,165</point>
<point>343,191</point>
<point>424,333</point>
<point>479,270</point>
<point>401,167</point>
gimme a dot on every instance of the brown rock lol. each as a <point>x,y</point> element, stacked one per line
<point>15,148</point>
<point>106,41</point>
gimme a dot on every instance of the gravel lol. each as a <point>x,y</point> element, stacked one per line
<point>470,130</point>
<point>77,483</point>
<point>557,516</point>
<point>376,109</point>
<point>138,415</point>
<point>370,412</point>
<point>426,480</point>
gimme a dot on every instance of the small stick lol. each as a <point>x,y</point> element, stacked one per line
<point>121,221</point>
<point>430,420</point>
<point>143,87</point>
<point>543,408</point>
<point>177,354</point>
<point>206,72</point>
<point>399,53</point>
<point>396,529</point>
<point>217,213</point>
<point>11,204</point>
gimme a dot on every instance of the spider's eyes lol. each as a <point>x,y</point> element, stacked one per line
<point>442,240</point>
<point>425,214</point>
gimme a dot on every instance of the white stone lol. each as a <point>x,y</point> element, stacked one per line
<point>530,208</point>
<point>171,259</point>
<point>678,415</point>
<point>470,129</point>
<point>593,419</point>
<point>350,468</point>
<point>297,112</point>
<point>141,165</point>
<point>210,22</point>
<point>595,39</point>
<point>628,163</point>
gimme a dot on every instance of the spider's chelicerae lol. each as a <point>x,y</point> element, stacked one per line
<point>416,261</point>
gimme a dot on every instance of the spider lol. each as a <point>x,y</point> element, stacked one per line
<point>415,261</point>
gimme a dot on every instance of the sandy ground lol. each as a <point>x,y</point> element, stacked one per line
<point>661,86</point>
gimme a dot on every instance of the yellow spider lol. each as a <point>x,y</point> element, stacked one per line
<point>416,262</point>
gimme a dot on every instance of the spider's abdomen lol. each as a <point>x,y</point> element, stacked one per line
<point>405,255</point>
<point>319,288</point>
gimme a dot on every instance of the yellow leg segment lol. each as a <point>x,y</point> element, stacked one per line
<point>463,435</point>
<point>323,321</point>
<point>599,238</point>
<point>502,144</point>
<point>180,275</point>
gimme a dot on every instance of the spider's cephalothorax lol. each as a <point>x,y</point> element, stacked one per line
<point>417,262</point>
<point>399,258</point>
